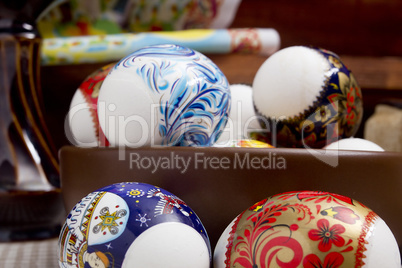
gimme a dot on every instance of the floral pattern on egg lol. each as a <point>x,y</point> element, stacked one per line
<point>335,113</point>
<point>303,229</point>
<point>191,94</point>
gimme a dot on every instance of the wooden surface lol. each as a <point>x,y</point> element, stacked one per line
<point>376,72</point>
<point>218,193</point>
<point>355,27</point>
<point>371,72</point>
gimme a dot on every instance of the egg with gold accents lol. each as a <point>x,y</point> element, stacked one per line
<point>306,97</point>
<point>307,229</point>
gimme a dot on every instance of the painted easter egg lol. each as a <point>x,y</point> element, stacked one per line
<point>165,95</point>
<point>248,143</point>
<point>83,123</point>
<point>133,225</point>
<point>306,98</point>
<point>242,118</point>
<point>307,229</point>
<point>245,143</point>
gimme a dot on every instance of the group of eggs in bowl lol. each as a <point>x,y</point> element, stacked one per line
<point>169,95</point>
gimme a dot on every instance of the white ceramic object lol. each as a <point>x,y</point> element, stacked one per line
<point>242,117</point>
<point>307,229</point>
<point>81,123</point>
<point>186,248</point>
<point>354,144</point>
<point>164,95</point>
<point>281,89</point>
<point>226,13</point>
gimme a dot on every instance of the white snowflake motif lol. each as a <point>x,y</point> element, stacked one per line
<point>135,193</point>
<point>143,220</point>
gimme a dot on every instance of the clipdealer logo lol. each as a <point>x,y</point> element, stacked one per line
<point>200,160</point>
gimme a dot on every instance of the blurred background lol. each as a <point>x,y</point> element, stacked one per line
<point>365,33</point>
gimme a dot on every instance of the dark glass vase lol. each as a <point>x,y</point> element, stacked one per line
<point>30,197</point>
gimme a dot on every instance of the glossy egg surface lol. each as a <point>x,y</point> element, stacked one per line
<point>242,117</point>
<point>356,144</point>
<point>307,229</point>
<point>133,225</point>
<point>306,97</point>
<point>165,95</point>
<point>83,116</point>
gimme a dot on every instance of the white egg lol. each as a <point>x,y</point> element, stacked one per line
<point>186,247</point>
<point>221,246</point>
<point>289,81</point>
<point>354,144</point>
<point>81,122</point>
<point>126,115</point>
<point>381,248</point>
<point>242,117</point>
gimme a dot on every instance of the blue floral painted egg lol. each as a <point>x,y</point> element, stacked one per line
<point>164,95</point>
<point>306,97</point>
<point>133,225</point>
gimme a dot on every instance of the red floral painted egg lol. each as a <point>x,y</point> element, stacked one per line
<point>83,122</point>
<point>307,229</point>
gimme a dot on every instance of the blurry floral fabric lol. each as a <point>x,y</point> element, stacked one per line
<point>97,17</point>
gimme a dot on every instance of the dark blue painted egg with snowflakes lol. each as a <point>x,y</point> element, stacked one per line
<point>165,95</point>
<point>133,225</point>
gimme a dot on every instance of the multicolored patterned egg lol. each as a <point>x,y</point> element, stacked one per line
<point>307,229</point>
<point>245,143</point>
<point>306,97</point>
<point>133,225</point>
<point>164,95</point>
<point>83,120</point>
